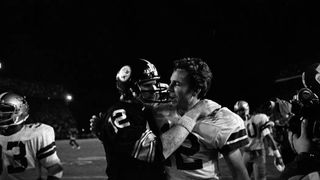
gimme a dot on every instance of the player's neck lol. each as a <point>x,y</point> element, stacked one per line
<point>183,109</point>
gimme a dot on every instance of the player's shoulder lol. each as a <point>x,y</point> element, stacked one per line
<point>38,128</point>
<point>259,118</point>
<point>226,116</point>
<point>222,119</point>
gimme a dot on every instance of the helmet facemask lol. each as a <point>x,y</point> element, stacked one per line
<point>153,92</point>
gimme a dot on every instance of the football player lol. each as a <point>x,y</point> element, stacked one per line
<point>242,109</point>
<point>134,147</point>
<point>258,130</point>
<point>25,148</point>
<point>220,132</point>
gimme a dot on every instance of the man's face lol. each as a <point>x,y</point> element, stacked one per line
<point>179,88</point>
<point>148,91</point>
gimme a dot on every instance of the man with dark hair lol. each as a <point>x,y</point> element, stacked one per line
<point>134,147</point>
<point>220,132</point>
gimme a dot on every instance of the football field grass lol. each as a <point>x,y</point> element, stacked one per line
<point>88,163</point>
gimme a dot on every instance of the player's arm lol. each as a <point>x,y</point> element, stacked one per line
<point>232,155</point>
<point>236,165</point>
<point>270,142</point>
<point>47,154</point>
<point>230,139</point>
<point>55,172</point>
<point>175,136</point>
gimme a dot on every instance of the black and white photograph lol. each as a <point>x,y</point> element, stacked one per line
<point>159,90</point>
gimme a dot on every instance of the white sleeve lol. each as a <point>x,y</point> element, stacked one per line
<point>46,147</point>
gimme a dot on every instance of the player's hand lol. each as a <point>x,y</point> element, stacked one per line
<point>302,143</point>
<point>206,107</point>
<point>278,163</point>
<point>95,124</point>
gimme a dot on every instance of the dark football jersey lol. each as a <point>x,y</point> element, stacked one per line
<point>133,149</point>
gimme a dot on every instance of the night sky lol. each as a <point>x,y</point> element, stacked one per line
<point>82,44</point>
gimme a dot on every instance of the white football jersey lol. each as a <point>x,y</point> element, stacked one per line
<point>197,157</point>
<point>23,153</point>
<point>257,128</point>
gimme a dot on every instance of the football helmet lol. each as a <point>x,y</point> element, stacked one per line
<point>13,109</point>
<point>242,109</point>
<point>311,78</point>
<point>131,79</point>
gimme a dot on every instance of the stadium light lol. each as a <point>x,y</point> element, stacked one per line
<point>68,97</point>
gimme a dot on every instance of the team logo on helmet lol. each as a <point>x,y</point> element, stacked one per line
<point>124,74</point>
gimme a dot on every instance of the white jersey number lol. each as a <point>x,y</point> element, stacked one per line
<point>188,151</point>
<point>119,117</point>
<point>20,161</point>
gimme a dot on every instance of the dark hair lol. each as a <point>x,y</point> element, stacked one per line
<point>200,74</point>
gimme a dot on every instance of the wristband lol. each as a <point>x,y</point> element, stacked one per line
<point>186,122</point>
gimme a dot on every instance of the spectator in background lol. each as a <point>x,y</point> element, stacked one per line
<point>73,134</point>
<point>304,129</point>
<point>25,148</point>
<point>304,138</point>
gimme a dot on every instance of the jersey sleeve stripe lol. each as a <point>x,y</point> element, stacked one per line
<point>235,141</point>
<point>44,155</point>
<point>265,126</point>
<point>232,146</point>
<point>237,135</point>
<point>44,149</point>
